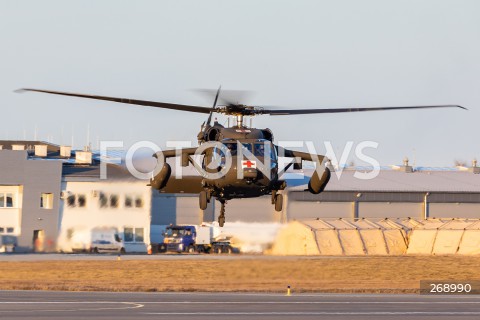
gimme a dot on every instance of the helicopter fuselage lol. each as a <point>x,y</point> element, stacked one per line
<point>245,159</point>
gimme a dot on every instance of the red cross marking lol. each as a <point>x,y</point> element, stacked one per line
<point>248,163</point>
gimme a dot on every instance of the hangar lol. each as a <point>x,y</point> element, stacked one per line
<point>397,192</point>
<point>378,237</point>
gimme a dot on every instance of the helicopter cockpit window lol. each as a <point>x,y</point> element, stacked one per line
<point>232,147</point>
<point>261,148</point>
<point>247,146</point>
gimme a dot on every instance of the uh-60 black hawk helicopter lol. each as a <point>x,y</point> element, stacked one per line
<point>253,169</point>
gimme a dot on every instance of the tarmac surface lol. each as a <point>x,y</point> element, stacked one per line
<point>111,305</point>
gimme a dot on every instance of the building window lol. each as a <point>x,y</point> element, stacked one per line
<point>10,230</point>
<point>133,234</point>
<point>128,202</point>
<point>138,234</point>
<point>71,200</point>
<point>46,201</point>
<point>128,235</point>
<point>7,200</point>
<point>138,202</point>
<point>103,200</point>
<point>81,200</point>
<point>2,229</point>
<point>114,201</point>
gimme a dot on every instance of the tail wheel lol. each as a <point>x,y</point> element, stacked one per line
<point>202,200</point>
<point>278,202</point>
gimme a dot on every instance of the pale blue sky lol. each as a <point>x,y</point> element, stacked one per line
<point>298,54</point>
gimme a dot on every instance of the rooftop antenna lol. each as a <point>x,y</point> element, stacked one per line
<point>88,135</point>
<point>72,136</point>
<point>414,157</point>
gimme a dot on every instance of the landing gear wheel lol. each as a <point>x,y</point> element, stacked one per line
<point>278,202</point>
<point>221,217</point>
<point>202,200</point>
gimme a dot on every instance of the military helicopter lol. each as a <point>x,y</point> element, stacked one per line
<point>238,161</point>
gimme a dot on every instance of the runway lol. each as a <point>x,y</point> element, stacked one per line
<point>106,305</point>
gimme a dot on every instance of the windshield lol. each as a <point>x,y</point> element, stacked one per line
<point>262,149</point>
<point>232,146</point>
<point>172,232</point>
<point>219,153</point>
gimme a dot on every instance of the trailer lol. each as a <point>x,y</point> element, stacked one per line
<point>192,238</point>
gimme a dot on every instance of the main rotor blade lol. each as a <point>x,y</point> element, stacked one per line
<point>209,120</point>
<point>341,110</point>
<point>128,101</point>
<point>216,97</point>
<point>228,97</point>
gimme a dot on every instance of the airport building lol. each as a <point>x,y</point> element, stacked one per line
<point>48,193</point>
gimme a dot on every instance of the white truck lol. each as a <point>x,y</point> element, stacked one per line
<point>96,240</point>
<point>106,240</point>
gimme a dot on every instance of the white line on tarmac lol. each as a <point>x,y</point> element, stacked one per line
<point>126,305</point>
<point>309,313</point>
<point>68,302</point>
<point>309,302</point>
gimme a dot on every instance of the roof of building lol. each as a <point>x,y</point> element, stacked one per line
<point>92,172</point>
<point>71,171</point>
<point>399,223</point>
<point>396,181</point>
<point>52,149</point>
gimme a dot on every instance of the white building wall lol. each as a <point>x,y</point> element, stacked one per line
<point>11,217</point>
<point>92,215</point>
